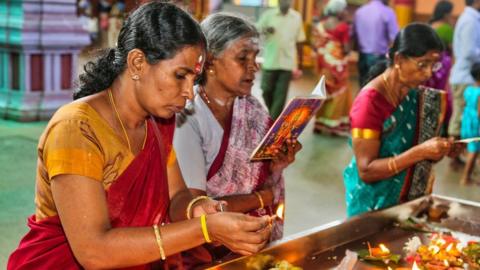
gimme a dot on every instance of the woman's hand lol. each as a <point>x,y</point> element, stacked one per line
<point>284,158</point>
<point>240,233</point>
<point>207,206</point>
<point>435,148</point>
<point>457,148</point>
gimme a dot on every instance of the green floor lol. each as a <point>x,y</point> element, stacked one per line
<point>18,143</point>
<point>314,182</point>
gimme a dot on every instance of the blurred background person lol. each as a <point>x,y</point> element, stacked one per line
<point>215,5</point>
<point>442,23</point>
<point>470,123</point>
<point>104,7</point>
<point>115,22</point>
<point>374,28</point>
<point>88,21</point>
<point>466,51</point>
<point>330,40</point>
<point>283,35</point>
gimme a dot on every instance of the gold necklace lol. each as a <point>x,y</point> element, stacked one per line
<point>112,101</point>
<point>204,94</point>
<point>390,95</point>
<point>219,111</point>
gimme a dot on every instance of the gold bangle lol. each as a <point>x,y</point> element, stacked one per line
<point>394,164</point>
<point>159,241</point>
<point>203,222</point>
<point>192,202</point>
<point>262,205</point>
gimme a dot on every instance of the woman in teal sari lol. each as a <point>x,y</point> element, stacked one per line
<point>395,125</point>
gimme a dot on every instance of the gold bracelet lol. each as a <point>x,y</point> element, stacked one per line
<point>262,205</point>
<point>192,202</point>
<point>159,241</point>
<point>203,222</point>
<point>394,165</point>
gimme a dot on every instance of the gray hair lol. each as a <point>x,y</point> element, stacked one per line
<point>222,29</point>
<point>334,7</point>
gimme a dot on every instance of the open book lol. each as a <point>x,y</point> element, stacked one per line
<point>291,122</point>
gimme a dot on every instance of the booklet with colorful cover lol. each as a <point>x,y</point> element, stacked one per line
<point>291,122</point>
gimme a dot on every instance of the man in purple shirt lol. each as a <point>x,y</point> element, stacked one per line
<point>375,27</point>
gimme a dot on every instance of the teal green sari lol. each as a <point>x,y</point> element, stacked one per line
<point>417,119</point>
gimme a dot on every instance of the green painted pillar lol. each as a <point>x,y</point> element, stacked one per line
<point>4,82</point>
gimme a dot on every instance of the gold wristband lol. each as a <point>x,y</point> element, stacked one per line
<point>392,165</point>
<point>159,241</point>
<point>260,199</point>
<point>203,222</point>
<point>192,202</point>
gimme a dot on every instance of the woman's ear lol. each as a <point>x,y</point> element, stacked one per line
<point>209,63</point>
<point>136,64</point>
<point>398,60</point>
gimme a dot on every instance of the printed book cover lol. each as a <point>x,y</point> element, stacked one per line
<point>291,122</point>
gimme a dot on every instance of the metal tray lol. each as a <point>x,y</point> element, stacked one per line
<point>324,247</point>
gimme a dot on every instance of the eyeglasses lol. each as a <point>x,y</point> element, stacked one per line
<point>425,65</point>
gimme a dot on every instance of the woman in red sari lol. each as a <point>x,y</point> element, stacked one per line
<point>109,190</point>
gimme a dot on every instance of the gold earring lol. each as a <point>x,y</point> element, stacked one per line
<point>210,71</point>
<point>397,66</point>
<point>135,77</point>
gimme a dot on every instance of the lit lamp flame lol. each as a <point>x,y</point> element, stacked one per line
<point>441,242</point>
<point>446,263</point>
<point>280,210</point>
<point>434,249</point>
<point>415,266</point>
<point>389,268</point>
<point>449,247</point>
<point>384,249</point>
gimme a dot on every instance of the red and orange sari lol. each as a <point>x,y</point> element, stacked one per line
<point>137,196</point>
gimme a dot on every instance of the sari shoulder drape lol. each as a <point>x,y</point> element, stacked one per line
<point>138,197</point>
<point>219,159</point>
<point>232,172</point>
<point>432,112</point>
<point>237,174</point>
